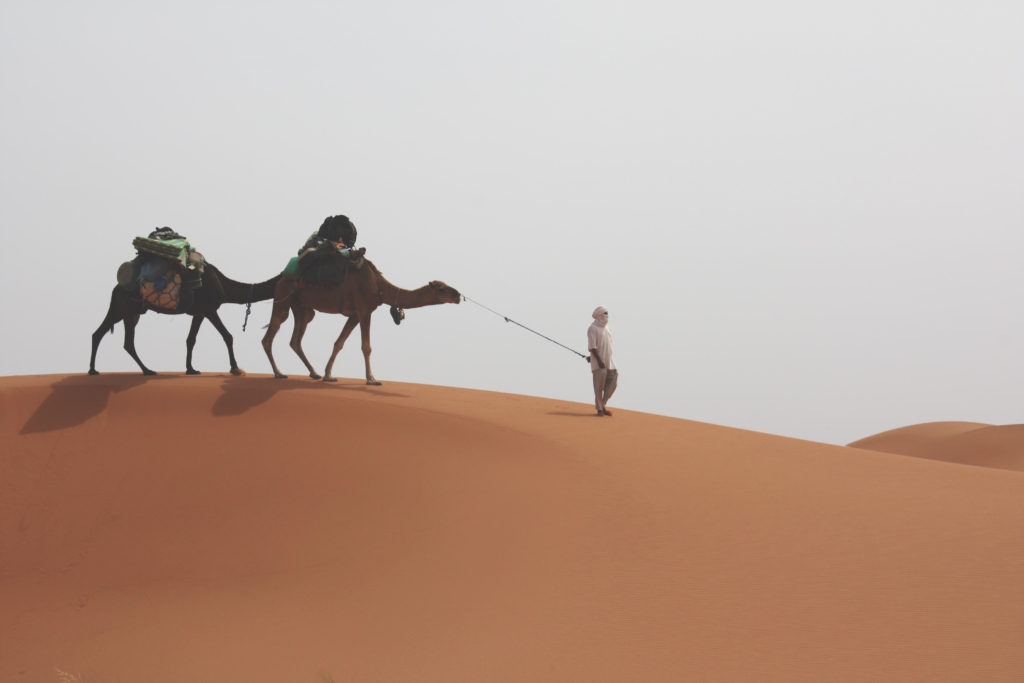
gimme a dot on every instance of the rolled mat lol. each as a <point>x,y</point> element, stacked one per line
<point>175,249</point>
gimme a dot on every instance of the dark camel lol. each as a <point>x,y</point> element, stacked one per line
<point>217,289</point>
<point>357,296</point>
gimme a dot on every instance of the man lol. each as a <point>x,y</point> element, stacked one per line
<point>336,232</point>
<point>606,376</point>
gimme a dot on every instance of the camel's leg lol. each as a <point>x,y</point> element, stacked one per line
<point>350,325</point>
<point>130,321</point>
<point>302,318</point>
<point>364,329</point>
<point>228,341</point>
<point>112,318</point>
<point>190,342</point>
<point>277,316</point>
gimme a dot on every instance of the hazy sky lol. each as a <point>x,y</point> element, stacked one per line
<point>805,217</point>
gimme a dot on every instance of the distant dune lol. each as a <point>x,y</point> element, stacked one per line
<point>967,443</point>
<point>222,528</point>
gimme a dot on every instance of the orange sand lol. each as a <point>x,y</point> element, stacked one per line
<point>218,528</point>
<point>968,443</point>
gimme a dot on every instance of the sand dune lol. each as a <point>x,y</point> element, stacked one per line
<point>967,443</point>
<point>218,528</point>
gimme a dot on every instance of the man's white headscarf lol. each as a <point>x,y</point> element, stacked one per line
<point>600,315</point>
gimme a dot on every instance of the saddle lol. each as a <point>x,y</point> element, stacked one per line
<point>157,281</point>
<point>325,265</point>
<point>165,271</point>
<point>169,245</point>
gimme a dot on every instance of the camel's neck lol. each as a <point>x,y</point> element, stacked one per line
<point>405,298</point>
<point>244,292</point>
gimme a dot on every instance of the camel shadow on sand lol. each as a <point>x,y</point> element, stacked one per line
<point>76,399</point>
<point>240,394</point>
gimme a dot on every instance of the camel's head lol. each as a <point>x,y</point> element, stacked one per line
<point>445,294</point>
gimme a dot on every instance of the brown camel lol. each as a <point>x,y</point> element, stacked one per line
<point>357,296</point>
<point>217,289</point>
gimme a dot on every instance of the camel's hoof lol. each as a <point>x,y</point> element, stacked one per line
<point>330,379</point>
<point>192,372</point>
<point>148,372</point>
<point>93,372</point>
<point>313,375</point>
<point>278,375</point>
<point>237,372</point>
<point>373,383</point>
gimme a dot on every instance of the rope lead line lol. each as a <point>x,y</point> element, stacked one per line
<point>248,306</point>
<point>509,320</point>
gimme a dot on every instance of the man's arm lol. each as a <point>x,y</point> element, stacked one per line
<point>596,356</point>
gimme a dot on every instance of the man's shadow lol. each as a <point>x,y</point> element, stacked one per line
<point>78,398</point>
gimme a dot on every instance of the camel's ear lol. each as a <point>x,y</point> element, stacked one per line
<point>436,284</point>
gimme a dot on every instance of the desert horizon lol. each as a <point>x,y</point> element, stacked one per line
<point>214,527</point>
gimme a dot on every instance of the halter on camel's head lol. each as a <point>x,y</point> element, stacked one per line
<point>448,292</point>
